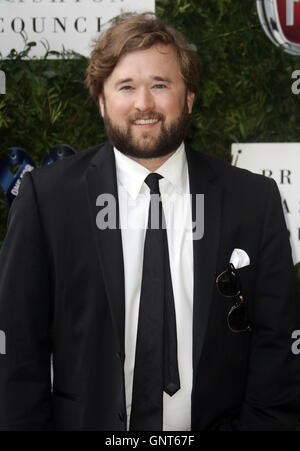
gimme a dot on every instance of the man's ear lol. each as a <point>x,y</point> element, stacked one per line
<point>101,104</point>
<point>190,100</point>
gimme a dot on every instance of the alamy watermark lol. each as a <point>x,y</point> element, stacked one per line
<point>172,204</point>
<point>296,344</point>
<point>2,342</point>
<point>2,82</point>
<point>296,84</point>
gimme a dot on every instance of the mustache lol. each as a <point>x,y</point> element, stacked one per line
<point>147,115</point>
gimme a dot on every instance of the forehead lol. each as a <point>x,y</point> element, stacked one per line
<point>160,61</point>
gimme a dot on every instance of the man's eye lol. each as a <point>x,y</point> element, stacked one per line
<point>159,86</point>
<point>126,88</point>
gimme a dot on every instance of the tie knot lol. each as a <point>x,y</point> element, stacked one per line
<point>152,181</point>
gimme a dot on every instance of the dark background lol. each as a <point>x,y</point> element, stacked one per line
<point>244,88</point>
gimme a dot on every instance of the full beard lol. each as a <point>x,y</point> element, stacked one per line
<point>147,146</point>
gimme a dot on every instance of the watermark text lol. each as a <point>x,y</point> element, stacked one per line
<point>2,342</point>
<point>177,210</point>
<point>296,343</point>
<point>2,82</point>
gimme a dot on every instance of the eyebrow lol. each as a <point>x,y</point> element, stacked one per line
<point>157,78</point>
<point>153,77</point>
<point>125,80</point>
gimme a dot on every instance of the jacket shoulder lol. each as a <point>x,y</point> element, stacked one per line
<point>63,179</point>
<point>65,167</point>
<point>233,176</point>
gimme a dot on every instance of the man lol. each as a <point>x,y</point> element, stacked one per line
<point>173,327</point>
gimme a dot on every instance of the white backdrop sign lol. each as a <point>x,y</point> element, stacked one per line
<point>69,24</point>
<point>281,161</point>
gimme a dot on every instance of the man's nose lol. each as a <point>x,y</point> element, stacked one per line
<point>144,100</point>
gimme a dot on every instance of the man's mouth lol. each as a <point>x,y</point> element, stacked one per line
<point>145,121</point>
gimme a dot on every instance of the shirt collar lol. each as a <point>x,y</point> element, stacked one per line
<point>131,175</point>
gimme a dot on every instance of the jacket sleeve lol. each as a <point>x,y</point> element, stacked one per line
<point>25,318</point>
<point>272,400</point>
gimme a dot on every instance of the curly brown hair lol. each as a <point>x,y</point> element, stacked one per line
<point>131,32</point>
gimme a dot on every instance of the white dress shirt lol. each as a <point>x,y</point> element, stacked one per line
<point>134,198</point>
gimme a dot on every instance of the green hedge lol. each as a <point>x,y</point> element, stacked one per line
<point>245,88</point>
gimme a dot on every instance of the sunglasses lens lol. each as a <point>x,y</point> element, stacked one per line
<point>228,283</point>
<point>237,318</point>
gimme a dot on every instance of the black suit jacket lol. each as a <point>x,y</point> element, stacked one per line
<point>62,291</point>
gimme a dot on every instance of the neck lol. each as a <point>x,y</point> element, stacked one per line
<point>152,164</point>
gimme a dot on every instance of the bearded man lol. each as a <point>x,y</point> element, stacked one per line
<point>159,279</point>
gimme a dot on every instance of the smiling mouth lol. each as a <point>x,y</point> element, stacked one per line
<point>146,121</point>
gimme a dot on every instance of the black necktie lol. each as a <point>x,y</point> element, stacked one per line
<point>156,366</point>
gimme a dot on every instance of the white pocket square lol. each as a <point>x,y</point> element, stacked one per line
<point>239,258</point>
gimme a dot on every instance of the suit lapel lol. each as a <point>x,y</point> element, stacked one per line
<point>201,178</point>
<point>101,179</point>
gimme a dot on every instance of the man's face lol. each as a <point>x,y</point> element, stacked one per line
<point>145,103</point>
